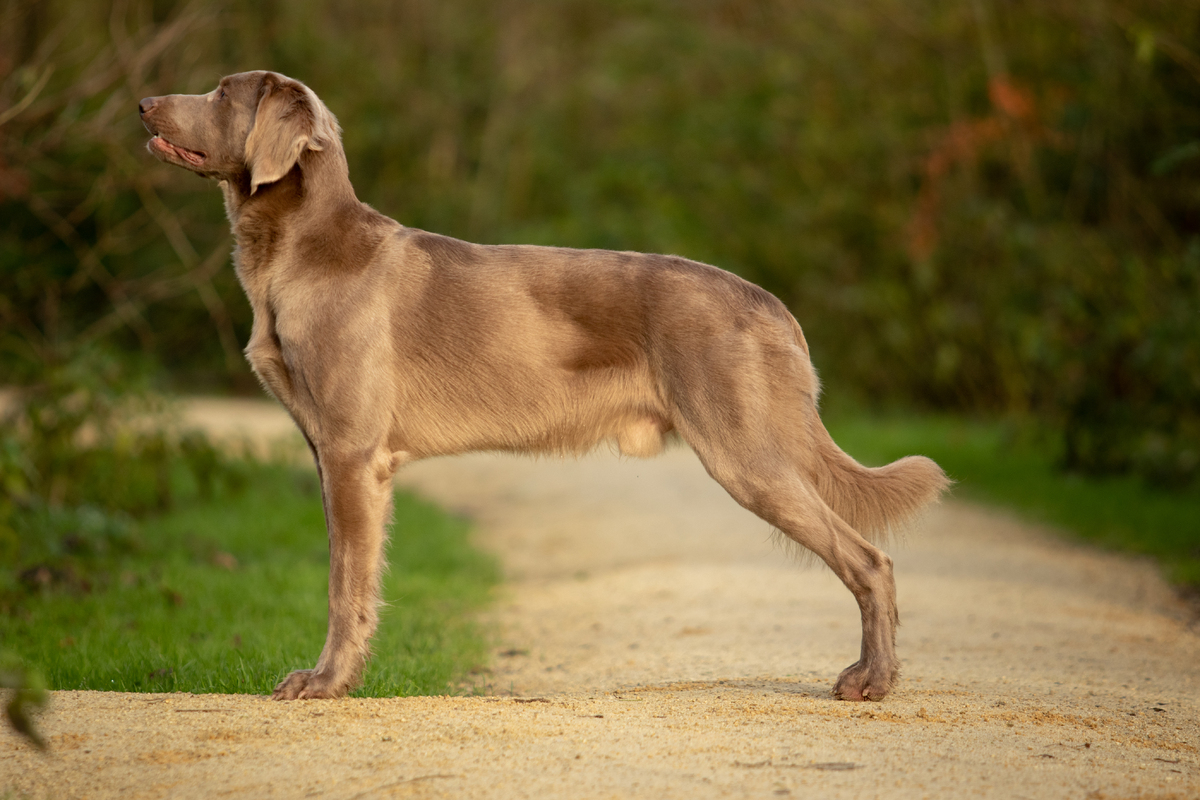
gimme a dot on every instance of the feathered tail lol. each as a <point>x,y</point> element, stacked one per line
<point>877,500</point>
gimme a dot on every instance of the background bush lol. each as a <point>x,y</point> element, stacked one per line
<point>975,206</point>
<point>83,456</point>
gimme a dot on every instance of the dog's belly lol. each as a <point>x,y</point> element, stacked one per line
<point>560,411</point>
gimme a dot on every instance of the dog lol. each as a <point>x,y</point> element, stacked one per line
<point>389,344</point>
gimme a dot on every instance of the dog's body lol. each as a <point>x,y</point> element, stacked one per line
<point>389,344</point>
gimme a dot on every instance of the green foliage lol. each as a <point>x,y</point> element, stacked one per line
<point>83,454</point>
<point>229,596</point>
<point>94,248</point>
<point>27,692</point>
<point>980,206</point>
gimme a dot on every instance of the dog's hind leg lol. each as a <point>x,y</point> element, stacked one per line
<point>775,490</point>
<point>357,491</point>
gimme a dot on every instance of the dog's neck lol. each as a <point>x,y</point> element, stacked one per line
<point>316,186</point>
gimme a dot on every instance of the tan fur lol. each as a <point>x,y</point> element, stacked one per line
<point>389,344</point>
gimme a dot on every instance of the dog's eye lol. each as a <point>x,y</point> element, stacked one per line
<point>220,94</point>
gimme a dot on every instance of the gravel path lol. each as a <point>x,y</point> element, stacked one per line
<point>652,641</point>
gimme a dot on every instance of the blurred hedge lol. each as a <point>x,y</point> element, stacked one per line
<point>983,206</point>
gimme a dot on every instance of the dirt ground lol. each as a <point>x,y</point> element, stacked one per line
<point>652,641</point>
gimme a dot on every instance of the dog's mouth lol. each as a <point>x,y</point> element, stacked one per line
<point>161,147</point>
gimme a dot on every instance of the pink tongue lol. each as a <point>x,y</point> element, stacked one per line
<point>187,155</point>
<point>191,157</point>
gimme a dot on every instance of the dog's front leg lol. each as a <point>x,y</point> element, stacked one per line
<point>357,493</point>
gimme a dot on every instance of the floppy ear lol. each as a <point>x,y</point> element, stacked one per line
<point>287,122</point>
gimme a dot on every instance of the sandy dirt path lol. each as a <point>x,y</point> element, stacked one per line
<point>653,642</point>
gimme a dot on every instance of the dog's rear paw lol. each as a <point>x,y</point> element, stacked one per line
<point>307,684</point>
<point>863,682</point>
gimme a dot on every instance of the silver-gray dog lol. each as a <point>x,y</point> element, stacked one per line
<point>389,344</point>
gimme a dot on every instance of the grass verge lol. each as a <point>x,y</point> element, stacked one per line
<point>230,595</point>
<point>993,466</point>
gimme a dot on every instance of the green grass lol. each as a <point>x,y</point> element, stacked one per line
<point>175,616</point>
<point>992,465</point>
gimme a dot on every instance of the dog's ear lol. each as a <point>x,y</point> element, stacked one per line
<point>289,120</point>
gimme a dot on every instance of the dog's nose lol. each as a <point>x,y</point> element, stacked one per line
<point>147,105</point>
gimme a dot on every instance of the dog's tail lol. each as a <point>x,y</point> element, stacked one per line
<point>874,501</point>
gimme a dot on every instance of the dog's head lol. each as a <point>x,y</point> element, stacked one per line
<point>258,124</point>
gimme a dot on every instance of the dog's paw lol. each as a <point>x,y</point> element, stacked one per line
<point>308,684</point>
<point>863,682</point>
<point>290,687</point>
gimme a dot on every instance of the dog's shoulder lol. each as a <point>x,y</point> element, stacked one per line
<point>439,249</point>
